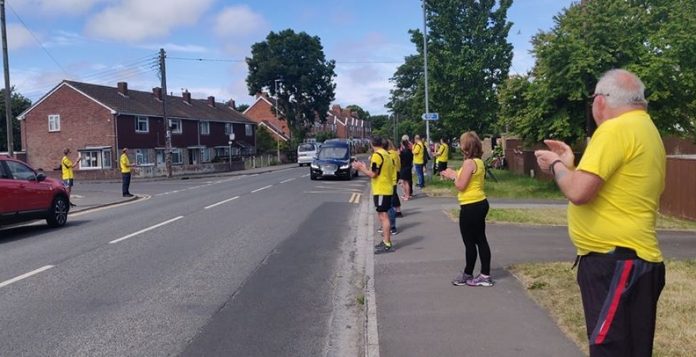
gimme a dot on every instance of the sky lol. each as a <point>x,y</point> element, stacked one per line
<point>206,41</point>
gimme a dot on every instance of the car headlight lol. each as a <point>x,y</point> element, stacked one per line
<point>345,167</point>
<point>314,166</point>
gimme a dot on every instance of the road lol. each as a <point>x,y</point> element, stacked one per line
<point>256,265</point>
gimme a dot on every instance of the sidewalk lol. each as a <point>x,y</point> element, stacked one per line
<point>420,313</point>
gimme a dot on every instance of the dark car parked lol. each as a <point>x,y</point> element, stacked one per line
<point>333,160</point>
<point>26,195</point>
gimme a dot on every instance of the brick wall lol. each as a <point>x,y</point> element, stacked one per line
<point>83,123</point>
<point>261,111</point>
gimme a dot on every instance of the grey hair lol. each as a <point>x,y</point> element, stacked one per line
<point>621,87</point>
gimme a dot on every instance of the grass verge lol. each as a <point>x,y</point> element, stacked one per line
<point>508,185</point>
<point>553,286</point>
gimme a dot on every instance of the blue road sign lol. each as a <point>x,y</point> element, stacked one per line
<point>430,116</point>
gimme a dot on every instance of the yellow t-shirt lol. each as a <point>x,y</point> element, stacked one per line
<point>383,183</point>
<point>397,163</point>
<point>66,167</point>
<point>442,153</point>
<point>418,153</point>
<point>474,190</point>
<point>125,164</point>
<point>628,154</point>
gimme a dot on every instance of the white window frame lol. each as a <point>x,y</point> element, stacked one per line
<point>139,120</point>
<point>96,159</point>
<point>205,127</point>
<point>248,130</point>
<point>53,123</point>
<point>228,128</point>
<point>176,153</point>
<point>205,155</point>
<point>176,126</point>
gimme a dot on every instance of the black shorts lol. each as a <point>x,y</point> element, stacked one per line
<point>406,174</point>
<point>441,166</point>
<point>619,295</point>
<point>383,202</point>
<point>68,183</point>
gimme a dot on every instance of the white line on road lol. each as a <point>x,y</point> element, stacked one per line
<point>222,202</point>
<point>305,175</point>
<point>262,188</point>
<point>24,276</point>
<point>288,180</point>
<point>146,229</point>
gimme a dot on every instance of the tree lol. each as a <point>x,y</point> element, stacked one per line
<point>653,38</point>
<point>306,87</point>
<point>242,107</point>
<point>362,114</point>
<point>324,135</point>
<point>265,141</point>
<point>19,104</point>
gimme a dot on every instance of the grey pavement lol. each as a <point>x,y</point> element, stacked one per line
<point>420,313</point>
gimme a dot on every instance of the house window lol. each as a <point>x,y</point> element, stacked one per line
<point>175,125</point>
<point>176,157</point>
<point>142,125</point>
<point>248,130</point>
<point>142,158</point>
<point>205,155</point>
<point>53,123</point>
<point>95,159</point>
<point>228,128</point>
<point>205,128</point>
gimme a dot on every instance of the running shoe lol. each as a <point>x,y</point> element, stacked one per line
<point>461,279</point>
<point>383,248</point>
<point>394,231</point>
<point>399,214</point>
<point>480,280</point>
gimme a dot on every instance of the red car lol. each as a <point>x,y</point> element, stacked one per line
<point>26,194</point>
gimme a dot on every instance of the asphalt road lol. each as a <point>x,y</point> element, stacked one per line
<point>257,265</point>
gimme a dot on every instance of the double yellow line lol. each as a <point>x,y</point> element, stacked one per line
<point>355,198</point>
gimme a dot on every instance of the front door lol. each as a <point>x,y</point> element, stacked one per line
<point>194,156</point>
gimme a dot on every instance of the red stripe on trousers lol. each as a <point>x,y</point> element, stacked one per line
<point>614,302</point>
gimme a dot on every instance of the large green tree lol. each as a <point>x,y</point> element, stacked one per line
<point>468,58</point>
<point>19,104</point>
<point>653,38</point>
<point>305,87</point>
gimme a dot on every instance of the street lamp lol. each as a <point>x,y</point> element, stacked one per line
<point>425,71</point>
<point>230,151</point>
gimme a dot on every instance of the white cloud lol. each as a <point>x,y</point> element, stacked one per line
<point>239,21</point>
<point>137,20</point>
<point>19,37</point>
<point>64,38</point>
<point>57,7</point>
<point>366,85</point>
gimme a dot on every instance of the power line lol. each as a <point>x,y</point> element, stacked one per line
<point>239,61</point>
<point>37,40</point>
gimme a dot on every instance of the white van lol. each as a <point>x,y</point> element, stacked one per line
<point>306,153</point>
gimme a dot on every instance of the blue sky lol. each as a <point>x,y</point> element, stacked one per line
<point>107,41</point>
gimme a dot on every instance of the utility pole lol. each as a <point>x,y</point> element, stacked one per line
<point>425,69</point>
<point>276,115</point>
<point>6,68</point>
<point>168,136</point>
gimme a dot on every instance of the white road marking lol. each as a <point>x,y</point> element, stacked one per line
<point>141,198</point>
<point>288,180</point>
<point>146,229</point>
<point>262,188</point>
<point>305,175</point>
<point>222,202</point>
<point>24,276</point>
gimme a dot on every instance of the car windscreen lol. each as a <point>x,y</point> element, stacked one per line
<point>333,153</point>
<point>306,147</point>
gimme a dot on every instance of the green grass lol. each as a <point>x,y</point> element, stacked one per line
<point>509,185</point>
<point>553,286</point>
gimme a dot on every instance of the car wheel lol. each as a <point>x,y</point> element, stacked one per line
<point>58,213</point>
<point>312,177</point>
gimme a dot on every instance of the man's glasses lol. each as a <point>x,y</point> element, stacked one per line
<point>598,94</point>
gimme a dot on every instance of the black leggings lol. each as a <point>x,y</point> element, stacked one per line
<point>472,226</point>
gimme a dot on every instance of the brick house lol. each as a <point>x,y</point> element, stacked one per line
<point>98,121</point>
<point>261,112</point>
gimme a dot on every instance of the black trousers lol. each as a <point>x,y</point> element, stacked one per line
<point>472,226</point>
<point>125,185</point>
<point>619,295</point>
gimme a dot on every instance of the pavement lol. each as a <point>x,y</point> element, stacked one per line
<point>418,312</point>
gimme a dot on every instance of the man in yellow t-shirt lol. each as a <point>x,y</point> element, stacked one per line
<point>125,165</point>
<point>442,155</point>
<point>419,160</point>
<point>381,174</point>
<point>614,194</point>
<point>66,167</point>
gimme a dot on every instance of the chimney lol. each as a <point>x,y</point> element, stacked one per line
<point>187,96</point>
<point>157,92</point>
<point>258,94</point>
<point>123,88</point>
<point>336,109</point>
<point>211,101</point>
<point>232,104</point>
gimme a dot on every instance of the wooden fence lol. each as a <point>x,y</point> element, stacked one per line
<point>679,196</point>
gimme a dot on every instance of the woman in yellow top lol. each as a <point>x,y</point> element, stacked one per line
<point>473,205</point>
